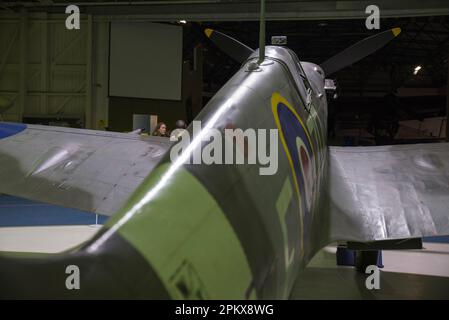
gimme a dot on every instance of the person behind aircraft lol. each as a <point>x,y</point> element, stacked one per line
<point>161,130</point>
<point>180,128</point>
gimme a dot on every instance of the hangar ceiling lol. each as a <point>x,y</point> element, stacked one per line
<point>221,10</point>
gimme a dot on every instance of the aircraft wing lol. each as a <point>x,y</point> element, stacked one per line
<point>83,169</point>
<point>389,192</point>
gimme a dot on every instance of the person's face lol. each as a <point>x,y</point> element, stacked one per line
<point>162,129</point>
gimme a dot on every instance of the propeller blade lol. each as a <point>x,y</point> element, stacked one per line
<point>359,51</point>
<point>235,49</point>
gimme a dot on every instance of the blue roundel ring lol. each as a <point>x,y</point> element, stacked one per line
<point>10,129</point>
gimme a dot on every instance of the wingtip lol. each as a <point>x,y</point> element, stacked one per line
<point>396,31</point>
<point>208,32</point>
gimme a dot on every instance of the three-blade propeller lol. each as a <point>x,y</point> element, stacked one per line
<point>240,52</point>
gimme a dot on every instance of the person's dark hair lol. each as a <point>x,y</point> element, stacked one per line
<point>180,124</point>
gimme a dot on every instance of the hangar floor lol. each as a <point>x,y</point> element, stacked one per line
<point>28,226</point>
<point>412,274</point>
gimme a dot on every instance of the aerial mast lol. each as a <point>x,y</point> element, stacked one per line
<point>262,32</point>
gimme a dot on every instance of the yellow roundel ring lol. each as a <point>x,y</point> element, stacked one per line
<point>276,101</point>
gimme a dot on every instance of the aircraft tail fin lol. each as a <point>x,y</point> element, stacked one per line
<point>359,51</point>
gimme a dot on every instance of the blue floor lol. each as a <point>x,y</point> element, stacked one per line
<point>17,212</point>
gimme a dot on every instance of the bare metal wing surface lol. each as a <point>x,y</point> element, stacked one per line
<point>89,170</point>
<point>389,192</point>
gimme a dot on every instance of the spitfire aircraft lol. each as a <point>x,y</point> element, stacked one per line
<point>198,231</point>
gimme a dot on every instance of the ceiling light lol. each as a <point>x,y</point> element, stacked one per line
<point>416,70</point>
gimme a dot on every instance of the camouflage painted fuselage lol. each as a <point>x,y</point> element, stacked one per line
<point>211,231</point>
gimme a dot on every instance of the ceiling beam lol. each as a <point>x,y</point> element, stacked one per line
<point>246,10</point>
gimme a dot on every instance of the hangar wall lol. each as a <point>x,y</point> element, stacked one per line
<point>52,75</point>
<point>48,71</point>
